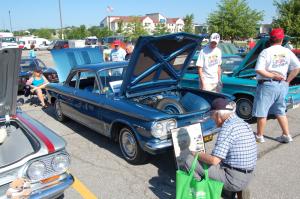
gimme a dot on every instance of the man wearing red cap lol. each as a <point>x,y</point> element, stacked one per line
<point>118,53</point>
<point>272,67</point>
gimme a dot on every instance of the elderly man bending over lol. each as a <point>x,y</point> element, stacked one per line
<point>234,156</point>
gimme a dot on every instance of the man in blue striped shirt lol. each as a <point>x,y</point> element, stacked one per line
<point>234,156</point>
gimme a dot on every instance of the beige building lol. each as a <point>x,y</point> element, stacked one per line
<point>149,21</point>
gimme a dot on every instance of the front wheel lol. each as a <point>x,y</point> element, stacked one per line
<point>244,107</point>
<point>58,112</point>
<point>130,148</point>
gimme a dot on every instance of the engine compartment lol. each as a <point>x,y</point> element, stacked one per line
<point>17,144</point>
<point>176,102</point>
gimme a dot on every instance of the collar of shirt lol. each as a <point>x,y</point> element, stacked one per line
<point>231,117</point>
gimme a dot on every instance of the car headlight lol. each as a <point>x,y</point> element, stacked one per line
<point>60,163</point>
<point>172,124</point>
<point>160,129</point>
<point>36,170</point>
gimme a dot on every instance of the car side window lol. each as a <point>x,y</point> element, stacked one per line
<point>72,82</point>
<point>88,82</point>
<point>111,80</point>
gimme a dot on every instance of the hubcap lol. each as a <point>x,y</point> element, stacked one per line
<point>128,144</point>
<point>245,109</point>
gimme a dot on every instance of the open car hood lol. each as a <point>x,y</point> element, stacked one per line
<point>9,69</point>
<point>158,63</point>
<point>247,66</point>
<point>67,58</point>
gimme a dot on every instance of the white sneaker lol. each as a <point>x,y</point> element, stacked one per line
<point>260,139</point>
<point>284,138</point>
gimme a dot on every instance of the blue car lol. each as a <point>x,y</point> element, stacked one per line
<point>135,103</point>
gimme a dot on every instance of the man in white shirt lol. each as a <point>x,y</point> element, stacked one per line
<point>272,67</point>
<point>209,65</point>
<point>117,54</point>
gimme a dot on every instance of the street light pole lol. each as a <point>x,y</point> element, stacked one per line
<point>10,21</point>
<point>61,25</point>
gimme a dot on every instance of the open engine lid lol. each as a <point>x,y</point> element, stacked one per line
<point>247,66</point>
<point>158,63</point>
<point>9,70</point>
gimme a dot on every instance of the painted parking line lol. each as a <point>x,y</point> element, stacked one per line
<point>83,190</point>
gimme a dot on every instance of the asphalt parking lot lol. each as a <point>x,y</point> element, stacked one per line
<point>101,171</point>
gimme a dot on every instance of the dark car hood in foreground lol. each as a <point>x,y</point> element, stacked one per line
<point>246,68</point>
<point>158,63</point>
<point>9,70</point>
<point>68,58</point>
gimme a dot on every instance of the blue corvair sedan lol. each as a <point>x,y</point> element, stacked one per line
<point>136,103</point>
<point>241,82</point>
<point>28,150</point>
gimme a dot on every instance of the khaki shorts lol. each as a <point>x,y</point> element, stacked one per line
<point>215,87</point>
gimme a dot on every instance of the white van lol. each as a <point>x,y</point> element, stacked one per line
<point>7,40</point>
<point>35,41</point>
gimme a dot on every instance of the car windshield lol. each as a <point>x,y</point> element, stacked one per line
<point>40,63</point>
<point>111,79</point>
<point>27,65</point>
<point>8,39</point>
<point>230,63</point>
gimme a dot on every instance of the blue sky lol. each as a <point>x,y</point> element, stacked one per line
<point>45,13</point>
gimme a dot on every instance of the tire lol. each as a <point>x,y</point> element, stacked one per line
<point>130,148</point>
<point>58,112</point>
<point>170,106</point>
<point>244,107</point>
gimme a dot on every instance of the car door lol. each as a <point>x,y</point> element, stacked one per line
<point>67,99</point>
<point>88,101</point>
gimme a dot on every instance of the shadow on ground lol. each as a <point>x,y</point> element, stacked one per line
<point>162,185</point>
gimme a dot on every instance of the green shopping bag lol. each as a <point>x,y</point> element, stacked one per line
<point>187,187</point>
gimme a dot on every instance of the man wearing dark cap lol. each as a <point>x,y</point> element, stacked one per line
<point>234,156</point>
<point>271,68</point>
<point>118,53</point>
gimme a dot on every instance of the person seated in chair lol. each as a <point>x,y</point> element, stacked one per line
<point>36,83</point>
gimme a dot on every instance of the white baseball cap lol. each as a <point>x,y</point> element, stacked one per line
<point>214,37</point>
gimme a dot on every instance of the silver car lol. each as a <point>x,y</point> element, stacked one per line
<point>28,149</point>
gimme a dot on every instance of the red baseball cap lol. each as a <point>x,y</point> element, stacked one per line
<point>117,43</point>
<point>277,33</point>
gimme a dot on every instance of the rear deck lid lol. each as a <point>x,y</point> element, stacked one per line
<point>9,70</point>
<point>158,63</point>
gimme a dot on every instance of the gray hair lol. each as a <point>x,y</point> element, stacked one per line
<point>225,113</point>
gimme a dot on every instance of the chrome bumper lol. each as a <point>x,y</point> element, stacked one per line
<point>55,190</point>
<point>157,146</point>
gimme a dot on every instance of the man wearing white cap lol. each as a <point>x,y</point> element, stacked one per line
<point>209,64</point>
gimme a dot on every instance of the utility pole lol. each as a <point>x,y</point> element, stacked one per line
<point>61,25</point>
<point>10,21</point>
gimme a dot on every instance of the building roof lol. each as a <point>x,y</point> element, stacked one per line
<point>128,19</point>
<point>172,20</point>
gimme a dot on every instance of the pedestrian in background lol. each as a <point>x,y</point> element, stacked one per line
<point>209,65</point>
<point>118,53</point>
<point>32,52</point>
<point>251,44</point>
<point>234,156</point>
<point>129,50</point>
<point>271,68</point>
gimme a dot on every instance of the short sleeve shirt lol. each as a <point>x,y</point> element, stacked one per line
<point>236,144</point>
<point>118,55</point>
<point>209,60</point>
<point>277,59</point>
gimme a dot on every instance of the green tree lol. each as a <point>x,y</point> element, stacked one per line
<point>234,19</point>
<point>120,27</point>
<point>160,29</point>
<point>288,17</point>
<point>77,33</point>
<point>188,23</point>
<point>135,29</point>
<point>44,33</point>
